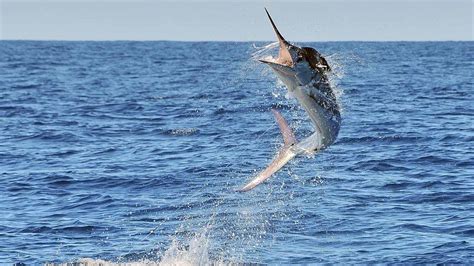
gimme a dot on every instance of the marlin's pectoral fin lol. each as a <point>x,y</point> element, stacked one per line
<point>284,155</point>
<point>286,132</point>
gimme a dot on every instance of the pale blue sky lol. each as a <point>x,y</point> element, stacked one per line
<point>195,20</point>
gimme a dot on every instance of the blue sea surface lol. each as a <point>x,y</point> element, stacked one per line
<point>132,151</point>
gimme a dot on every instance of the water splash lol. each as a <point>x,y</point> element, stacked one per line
<point>263,51</point>
<point>194,252</point>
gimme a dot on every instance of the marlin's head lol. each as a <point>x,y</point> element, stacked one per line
<point>296,66</point>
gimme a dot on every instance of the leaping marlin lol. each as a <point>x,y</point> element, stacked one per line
<point>304,72</point>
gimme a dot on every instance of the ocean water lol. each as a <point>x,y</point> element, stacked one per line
<point>131,152</point>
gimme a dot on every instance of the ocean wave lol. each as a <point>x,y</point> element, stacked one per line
<point>113,150</point>
<point>181,131</point>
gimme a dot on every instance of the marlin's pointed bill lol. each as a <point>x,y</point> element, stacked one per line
<point>283,54</point>
<point>277,32</point>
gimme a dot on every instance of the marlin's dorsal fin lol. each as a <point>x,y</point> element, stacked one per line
<point>286,132</point>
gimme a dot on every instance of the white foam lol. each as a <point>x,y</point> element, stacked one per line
<point>191,251</point>
<point>196,252</point>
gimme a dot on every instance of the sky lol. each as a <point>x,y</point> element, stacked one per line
<point>231,20</point>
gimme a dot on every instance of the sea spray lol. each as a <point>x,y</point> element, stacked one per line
<point>195,252</point>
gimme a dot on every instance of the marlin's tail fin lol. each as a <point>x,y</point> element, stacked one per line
<point>283,156</point>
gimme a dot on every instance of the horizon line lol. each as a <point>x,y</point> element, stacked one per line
<point>236,41</point>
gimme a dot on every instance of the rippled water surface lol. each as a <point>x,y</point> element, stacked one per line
<point>131,151</point>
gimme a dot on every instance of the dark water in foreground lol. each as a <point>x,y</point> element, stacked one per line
<point>124,151</point>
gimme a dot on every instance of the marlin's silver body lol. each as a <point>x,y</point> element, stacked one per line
<point>304,72</point>
<point>314,93</point>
